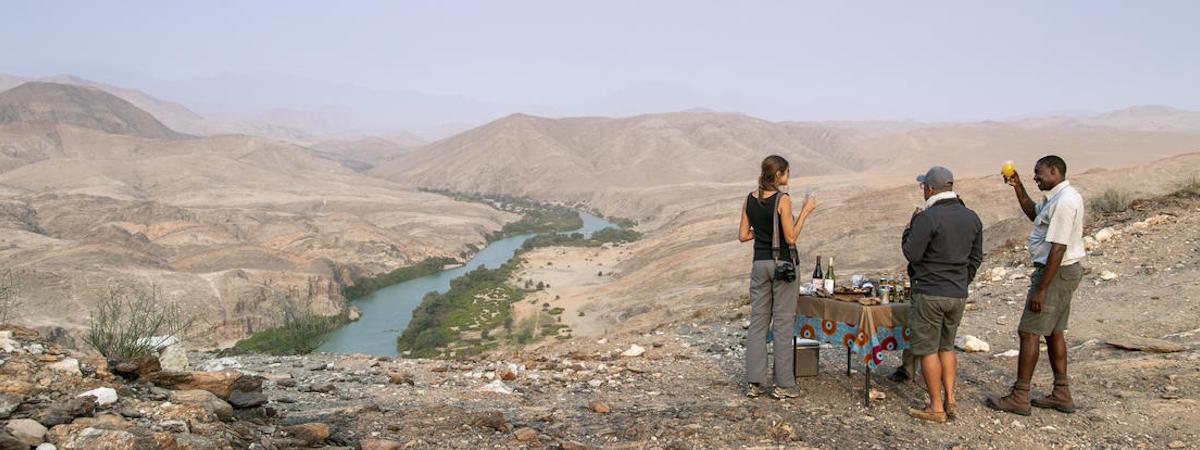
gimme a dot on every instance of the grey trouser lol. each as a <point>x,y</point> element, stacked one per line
<point>772,304</point>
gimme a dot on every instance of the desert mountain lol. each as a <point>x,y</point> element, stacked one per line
<point>569,159</point>
<point>62,104</point>
<point>366,152</point>
<point>1139,118</point>
<point>174,115</point>
<point>613,162</point>
<point>211,220</point>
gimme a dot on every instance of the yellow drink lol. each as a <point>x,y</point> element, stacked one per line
<point>1008,169</point>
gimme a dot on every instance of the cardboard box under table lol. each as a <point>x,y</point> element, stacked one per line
<point>866,331</point>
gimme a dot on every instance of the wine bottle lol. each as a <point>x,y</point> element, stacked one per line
<point>830,278</point>
<point>818,277</point>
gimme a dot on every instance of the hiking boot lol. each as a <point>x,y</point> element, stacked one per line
<point>936,417</point>
<point>1058,400</point>
<point>755,390</point>
<point>899,376</point>
<point>785,392</point>
<point>1016,402</point>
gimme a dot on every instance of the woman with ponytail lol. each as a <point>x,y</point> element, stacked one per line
<point>772,301</point>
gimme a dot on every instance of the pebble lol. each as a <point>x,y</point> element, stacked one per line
<point>634,351</point>
<point>498,387</point>
<point>599,407</point>
<point>1008,354</point>
<point>972,344</point>
<point>68,366</point>
<point>104,396</point>
<point>525,434</point>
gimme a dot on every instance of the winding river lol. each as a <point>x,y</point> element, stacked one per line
<point>387,311</point>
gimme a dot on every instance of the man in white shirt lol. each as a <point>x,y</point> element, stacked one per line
<point>1056,247</point>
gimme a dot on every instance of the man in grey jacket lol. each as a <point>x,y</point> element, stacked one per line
<point>944,247</point>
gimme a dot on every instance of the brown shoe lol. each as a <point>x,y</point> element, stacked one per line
<point>936,417</point>
<point>1016,402</point>
<point>951,410</point>
<point>1058,400</point>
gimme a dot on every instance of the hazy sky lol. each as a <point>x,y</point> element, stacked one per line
<point>952,60</point>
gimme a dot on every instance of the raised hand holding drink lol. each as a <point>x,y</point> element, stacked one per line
<point>1008,169</point>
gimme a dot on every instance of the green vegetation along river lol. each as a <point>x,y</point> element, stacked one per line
<point>388,311</point>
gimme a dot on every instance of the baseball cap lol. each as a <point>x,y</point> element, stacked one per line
<point>937,177</point>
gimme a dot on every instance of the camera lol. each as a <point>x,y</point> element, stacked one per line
<point>785,271</point>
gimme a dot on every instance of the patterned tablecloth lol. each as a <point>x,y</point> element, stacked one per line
<point>868,331</point>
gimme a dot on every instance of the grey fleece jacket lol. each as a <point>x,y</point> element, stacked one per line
<point>944,247</point>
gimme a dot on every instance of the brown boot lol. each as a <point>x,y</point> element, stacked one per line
<point>1016,402</point>
<point>1059,399</point>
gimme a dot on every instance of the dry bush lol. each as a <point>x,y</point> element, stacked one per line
<point>1112,200</point>
<point>10,303</point>
<point>127,316</point>
<point>1189,186</point>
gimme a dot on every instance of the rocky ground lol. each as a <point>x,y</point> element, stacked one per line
<point>55,398</point>
<point>678,385</point>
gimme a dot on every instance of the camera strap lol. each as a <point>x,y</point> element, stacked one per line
<point>775,224</point>
<point>776,248</point>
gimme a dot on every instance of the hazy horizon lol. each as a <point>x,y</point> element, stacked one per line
<point>425,64</point>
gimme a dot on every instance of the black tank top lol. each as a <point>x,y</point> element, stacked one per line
<point>760,222</point>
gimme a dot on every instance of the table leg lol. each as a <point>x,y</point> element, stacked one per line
<point>867,386</point>
<point>847,361</point>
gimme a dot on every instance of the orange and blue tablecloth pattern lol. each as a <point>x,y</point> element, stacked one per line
<point>867,331</point>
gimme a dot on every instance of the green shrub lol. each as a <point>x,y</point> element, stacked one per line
<point>126,318</point>
<point>368,285</point>
<point>1112,200</point>
<point>301,332</point>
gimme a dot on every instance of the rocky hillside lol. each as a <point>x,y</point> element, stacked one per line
<point>212,221</point>
<point>569,159</point>
<point>86,107</point>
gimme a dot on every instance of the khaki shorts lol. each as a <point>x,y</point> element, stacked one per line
<point>934,321</point>
<point>1056,308</point>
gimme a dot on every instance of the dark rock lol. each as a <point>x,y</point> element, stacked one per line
<point>244,399</point>
<point>286,382</point>
<point>134,368</point>
<point>248,383</point>
<point>402,378</point>
<point>130,412</point>
<point>254,415</point>
<point>10,442</point>
<point>490,419</point>
<point>66,411</point>
<point>8,404</point>
<point>323,388</point>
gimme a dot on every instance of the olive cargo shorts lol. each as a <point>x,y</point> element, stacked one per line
<point>1056,307</point>
<point>934,321</point>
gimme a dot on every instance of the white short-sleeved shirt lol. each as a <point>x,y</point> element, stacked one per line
<point>1059,220</point>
